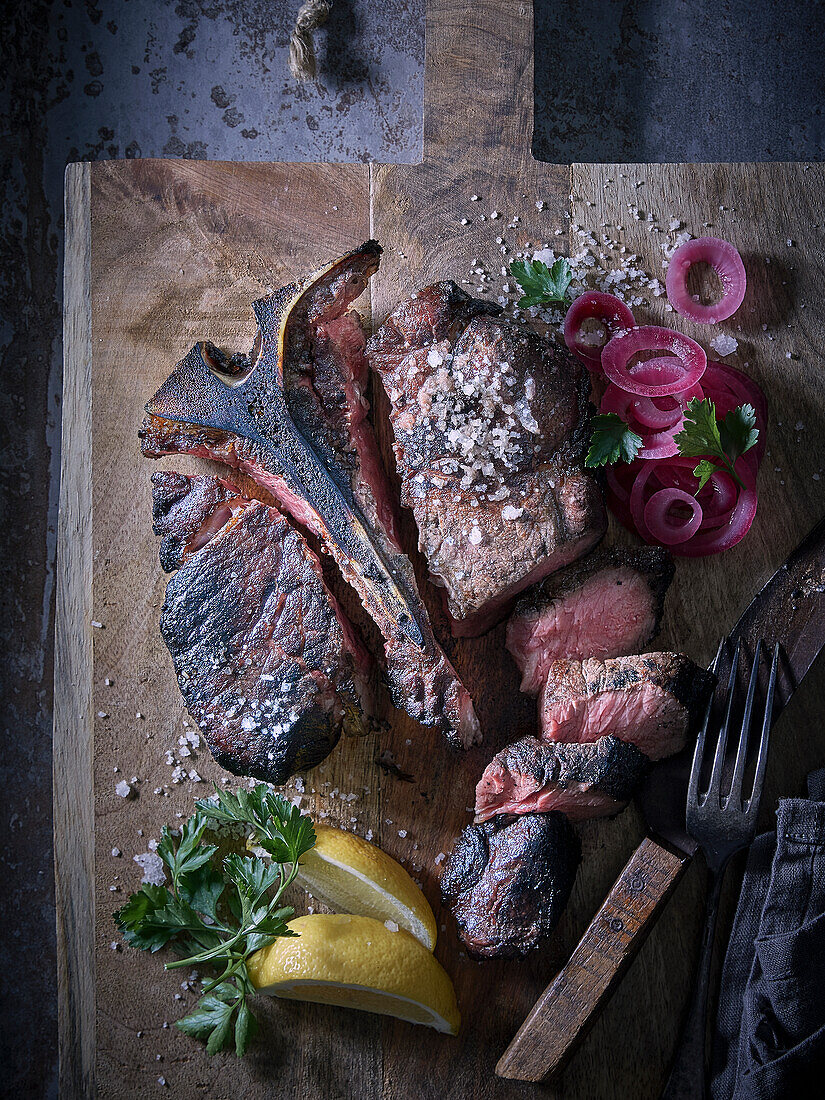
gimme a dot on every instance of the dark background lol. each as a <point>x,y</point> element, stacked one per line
<point>616,80</point>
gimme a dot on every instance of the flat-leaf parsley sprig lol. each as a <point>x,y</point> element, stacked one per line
<point>612,441</point>
<point>219,912</point>
<point>716,442</point>
<point>542,285</point>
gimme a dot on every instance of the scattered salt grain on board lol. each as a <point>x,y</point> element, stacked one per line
<point>123,789</point>
<point>152,865</point>
<point>724,344</point>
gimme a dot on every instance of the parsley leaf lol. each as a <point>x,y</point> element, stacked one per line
<point>612,441</point>
<point>218,913</point>
<point>717,442</point>
<point>542,285</point>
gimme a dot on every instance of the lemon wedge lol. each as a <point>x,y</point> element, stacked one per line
<point>347,873</point>
<point>358,962</point>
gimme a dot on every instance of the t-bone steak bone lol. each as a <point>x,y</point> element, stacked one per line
<point>608,604</point>
<point>491,426</point>
<point>650,700</point>
<point>582,781</point>
<point>324,379</point>
<point>269,667</point>
<point>508,881</point>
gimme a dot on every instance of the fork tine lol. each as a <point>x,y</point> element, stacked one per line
<point>762,758</point>
<point>715,783</point>
<point>699,750</point>
<point>744,734</point>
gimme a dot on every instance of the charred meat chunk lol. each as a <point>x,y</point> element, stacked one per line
<point>608,604</point>
<point>491,425</point>
<point>324,380</point>
<point>268,665</point>
<point>649,700</point>
<point>508,881</point>
<point>596,779</point>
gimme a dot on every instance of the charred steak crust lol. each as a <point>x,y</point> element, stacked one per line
<point>654,563</point>
<point>268,669</point>
<point>508,882</point>
<point>491,424</point>
<point>325,380</point>
<point>614,767</point>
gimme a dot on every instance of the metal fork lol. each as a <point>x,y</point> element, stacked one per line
<point>722,824</point>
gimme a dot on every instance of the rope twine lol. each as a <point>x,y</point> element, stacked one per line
<point>313,14</point>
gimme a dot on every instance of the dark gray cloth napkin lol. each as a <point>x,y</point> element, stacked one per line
<point>770,1029</point>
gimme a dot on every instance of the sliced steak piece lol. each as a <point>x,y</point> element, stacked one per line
<point>325,375</point>
<point>533,776</point>
<point>649,700</point>
<point>268,664</point>
<point>508,882</point>
<point>491,424</point>
<point>609,604</point>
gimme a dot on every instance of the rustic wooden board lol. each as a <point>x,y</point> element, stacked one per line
<point>160,254</point>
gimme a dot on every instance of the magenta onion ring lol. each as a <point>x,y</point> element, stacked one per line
<point>688,366</point>
<point>611,311</point>
<point>657,511</point>
<point>725,261</point>
<point>720,527</point>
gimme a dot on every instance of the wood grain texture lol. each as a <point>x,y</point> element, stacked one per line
<point>564,1014</point>
<point>72,750</point>
<point>178,252</point>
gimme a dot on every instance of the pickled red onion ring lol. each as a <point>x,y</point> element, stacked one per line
<point>723,523</point>
<point>661,377</point>
<point>658,512</point>
<point>611,311</point>
<point>725,261</point>
<point>649,414</point>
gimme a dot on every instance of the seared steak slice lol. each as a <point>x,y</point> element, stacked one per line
<point>589,780</point>
<point>491,425</point>
<point>268,665</point>
<point>507,882</point>
<point>325,374</point>
<point>649,700</point>
<point>609,604</point>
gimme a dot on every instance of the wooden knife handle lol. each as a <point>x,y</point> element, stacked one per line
<point>568,1008</point>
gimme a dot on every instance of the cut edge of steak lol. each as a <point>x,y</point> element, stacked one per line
<point>650,700</point>
<point>325,343</point>
<point>490,425</point>
<point>270,668</point>
<point>596,779</point>
<point>508,881</point>
<point>609,604</point>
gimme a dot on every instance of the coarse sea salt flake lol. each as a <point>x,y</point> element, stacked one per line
<point>724,344</point>
<point>508,512</point>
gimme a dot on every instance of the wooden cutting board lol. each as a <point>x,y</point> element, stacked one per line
<point>163,253</point>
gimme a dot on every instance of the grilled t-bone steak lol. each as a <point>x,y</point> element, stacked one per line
<point>491,425</point>
<point>532,776</point>
<point>269,666</point>
<point>608,604</point>
<point>320,351</point>
<point>649,700</point>
<point>507,882</point>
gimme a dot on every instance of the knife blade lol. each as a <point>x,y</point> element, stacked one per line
<point>790,609</point>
